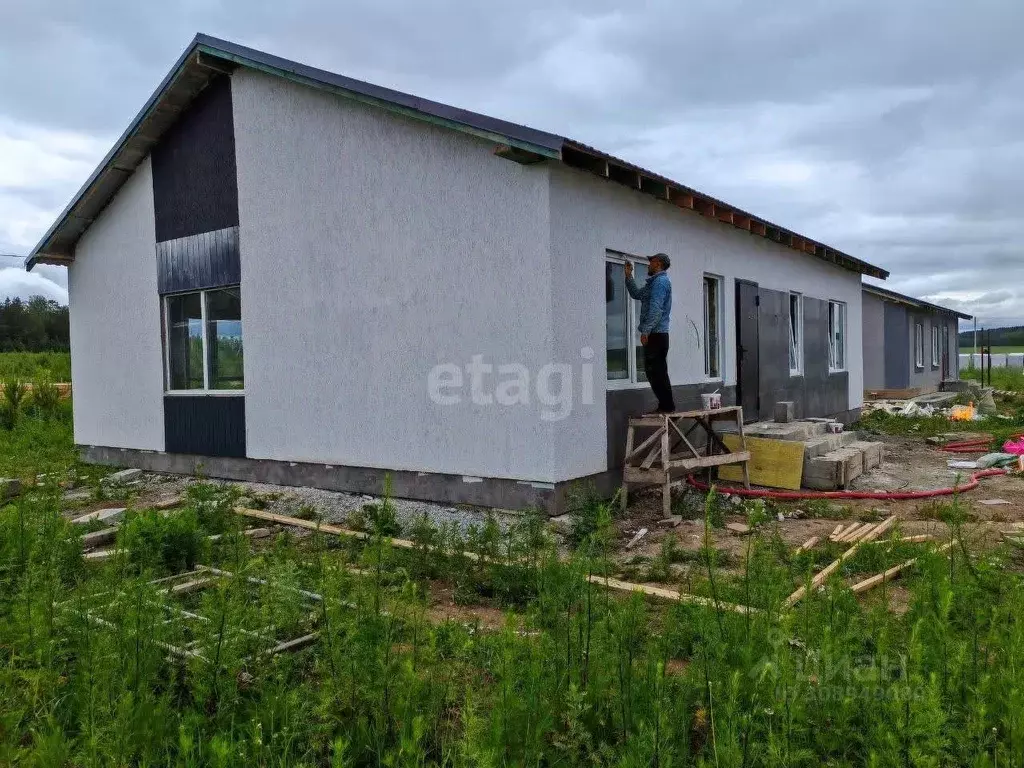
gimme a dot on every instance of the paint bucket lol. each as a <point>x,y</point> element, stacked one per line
<point>712,401</point>
<point>834,427</point>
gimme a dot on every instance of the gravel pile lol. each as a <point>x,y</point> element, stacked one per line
<point>335,507</point>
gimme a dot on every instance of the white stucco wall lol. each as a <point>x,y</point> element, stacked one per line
<point>589,215</point>
<point>116,364</point>
<point>372,249</point>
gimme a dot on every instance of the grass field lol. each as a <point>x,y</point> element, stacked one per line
<point>1008,379</point>
<point>103,664</point>
<point>35,366</point>
<point>995,350</point>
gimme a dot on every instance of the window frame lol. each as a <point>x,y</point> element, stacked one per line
<point>632,320</point>
<point>919,346</point>
<point>936,347</point>
<point>719,282</point>
<point>840,308</point>
<point>798,369</point>
<point>165,313</point>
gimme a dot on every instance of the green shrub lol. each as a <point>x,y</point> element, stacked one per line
<point>171,543</point>
<point>10,408</point>
<point>45,399</point>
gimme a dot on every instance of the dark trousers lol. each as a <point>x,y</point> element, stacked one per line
<point>656,367</point>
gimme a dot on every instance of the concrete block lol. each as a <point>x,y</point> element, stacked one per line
<point>104,536</point>
<point>833,470</point>
<point>103,515</point>
<point>122,477</point>
<point>9,488</point>
<point>785,412</point>
<point>872,453</point>
<point>794,430</point>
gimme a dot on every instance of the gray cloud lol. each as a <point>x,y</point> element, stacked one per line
<point>891,131</point>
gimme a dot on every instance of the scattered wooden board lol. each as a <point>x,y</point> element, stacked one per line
<point>773,463</point>
<point>614,584</point>
<point>881,578</point>
<point>639,535</point>
<point>819,579</point>
<point>811,542</point>
<point>668,594</point>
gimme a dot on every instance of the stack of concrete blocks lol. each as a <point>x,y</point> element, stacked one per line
<point>831,461</point>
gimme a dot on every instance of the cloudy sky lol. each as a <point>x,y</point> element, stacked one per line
<point>892,131</point>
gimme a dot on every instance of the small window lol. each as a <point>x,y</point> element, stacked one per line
<point>204,341</point>
<point>936,347</point>
<point>712,327</point>
<point>919,346</point>
<point>836,336</point>
<point>796,335</point>
<point>625,355</point>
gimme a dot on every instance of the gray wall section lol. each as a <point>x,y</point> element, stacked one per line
<point>621,404</point>
<point>817,392</point>
<point>929,376</point>
<point>206,260</point>
<point>873,314</point>
<point>899,334</point>
<point>898,349</point>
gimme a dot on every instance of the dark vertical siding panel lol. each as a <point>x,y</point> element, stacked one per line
<point>817,392</point>
<point>205,425</point>
<point>195,184</point>
<point>207,260</point>
<point>898,351</point>
<point>773,348</point>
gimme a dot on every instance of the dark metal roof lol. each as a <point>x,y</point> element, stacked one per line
<point>901,298</point>
<point>208,56</point>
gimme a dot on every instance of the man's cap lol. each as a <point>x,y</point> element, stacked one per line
<point>665,260</point>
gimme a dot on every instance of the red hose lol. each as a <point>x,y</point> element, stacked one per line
<point>978,445</point>
<point>878,495</point>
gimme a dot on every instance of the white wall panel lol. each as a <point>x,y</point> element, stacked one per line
<point>116,358</point>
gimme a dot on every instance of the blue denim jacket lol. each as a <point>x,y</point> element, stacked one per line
<point>655,302</point>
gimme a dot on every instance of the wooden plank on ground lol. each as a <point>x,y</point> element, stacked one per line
<point>881,578</point>
<point>667,594</point>
<point>720,460</point>
<point>335,530</point>
<point>773,463</point>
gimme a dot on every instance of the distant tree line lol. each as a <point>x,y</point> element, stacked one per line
<point>997,337</point>
<point>36,325</point>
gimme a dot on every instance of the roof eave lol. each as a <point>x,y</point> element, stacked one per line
<point>910,301</point>
<point>588,158</point>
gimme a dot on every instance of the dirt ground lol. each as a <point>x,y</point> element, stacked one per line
<point>909,464</point>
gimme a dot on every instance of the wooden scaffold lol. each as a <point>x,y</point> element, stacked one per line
<point>663,446</point>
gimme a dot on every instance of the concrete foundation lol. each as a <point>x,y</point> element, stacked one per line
<point>500,493</point>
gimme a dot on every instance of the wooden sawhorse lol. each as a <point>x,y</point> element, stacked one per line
<point>652,459</point>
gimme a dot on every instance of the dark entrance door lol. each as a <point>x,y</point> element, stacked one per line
<point>747,337</point>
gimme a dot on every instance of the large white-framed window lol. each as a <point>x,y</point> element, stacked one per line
<point>796,334</point>
<point>936,347</point>
<point>836,336</point>
<point>203,349</point>
<point>625,355</point>
<point>712,327</point>
<point>919,346</point>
